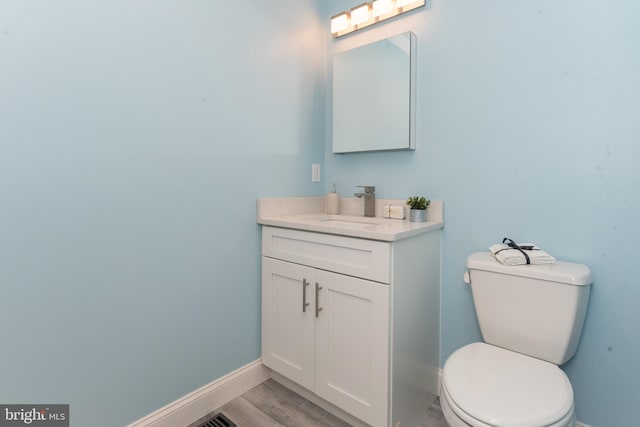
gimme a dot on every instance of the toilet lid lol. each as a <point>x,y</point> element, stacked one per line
<point>502,388</point>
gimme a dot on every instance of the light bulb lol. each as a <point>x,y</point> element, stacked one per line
<point>381,7</point>
<point>339,22</point>
<point>360,14</point>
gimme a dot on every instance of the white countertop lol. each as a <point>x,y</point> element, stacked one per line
<point>308,214</point>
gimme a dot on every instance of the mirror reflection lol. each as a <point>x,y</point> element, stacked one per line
<point>374,96</point>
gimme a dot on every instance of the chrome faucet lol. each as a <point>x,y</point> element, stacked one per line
<point>369,196</point>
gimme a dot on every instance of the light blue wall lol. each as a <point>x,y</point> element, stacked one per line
<point>528,127</point>
<point>135,137</point>
<point>129,128</point>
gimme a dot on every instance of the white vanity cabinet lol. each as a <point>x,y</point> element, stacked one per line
<point>338,346</point>
<point>332,324</point>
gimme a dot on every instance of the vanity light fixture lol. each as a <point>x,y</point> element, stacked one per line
<point>366,14</point>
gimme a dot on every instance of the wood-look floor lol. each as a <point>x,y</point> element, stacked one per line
<point>270,404</point>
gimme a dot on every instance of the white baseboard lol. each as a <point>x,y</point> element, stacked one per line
<point>202,401</point>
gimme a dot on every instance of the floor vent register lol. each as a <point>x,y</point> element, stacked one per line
<point>218,420</point>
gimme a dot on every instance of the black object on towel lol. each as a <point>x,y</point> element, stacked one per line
<point>514,245</point>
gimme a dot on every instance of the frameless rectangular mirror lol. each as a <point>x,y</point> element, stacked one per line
<point>374,96</point>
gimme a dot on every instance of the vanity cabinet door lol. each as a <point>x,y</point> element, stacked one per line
<point>352,345</point>
<point>288,328</point>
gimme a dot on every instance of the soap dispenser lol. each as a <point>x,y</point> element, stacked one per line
<point>333,202</point>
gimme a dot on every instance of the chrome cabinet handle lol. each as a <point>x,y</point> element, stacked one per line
<point>318,308</point>
<point>304,295</point>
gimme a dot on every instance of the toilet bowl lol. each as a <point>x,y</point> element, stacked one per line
<point>531,319</point>
<point>488,386</point>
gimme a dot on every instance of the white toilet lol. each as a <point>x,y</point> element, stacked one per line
<point>531,318</point>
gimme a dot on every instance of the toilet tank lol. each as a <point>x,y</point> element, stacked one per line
<point>536,310</point>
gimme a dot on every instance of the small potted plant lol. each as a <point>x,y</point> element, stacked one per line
<point>418,205</point>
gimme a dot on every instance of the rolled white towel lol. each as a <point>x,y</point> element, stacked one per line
<point>511,256</point>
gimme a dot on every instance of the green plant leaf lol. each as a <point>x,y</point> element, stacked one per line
<point>418,202</point>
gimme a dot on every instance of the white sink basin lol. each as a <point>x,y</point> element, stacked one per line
<point>349,222</point>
